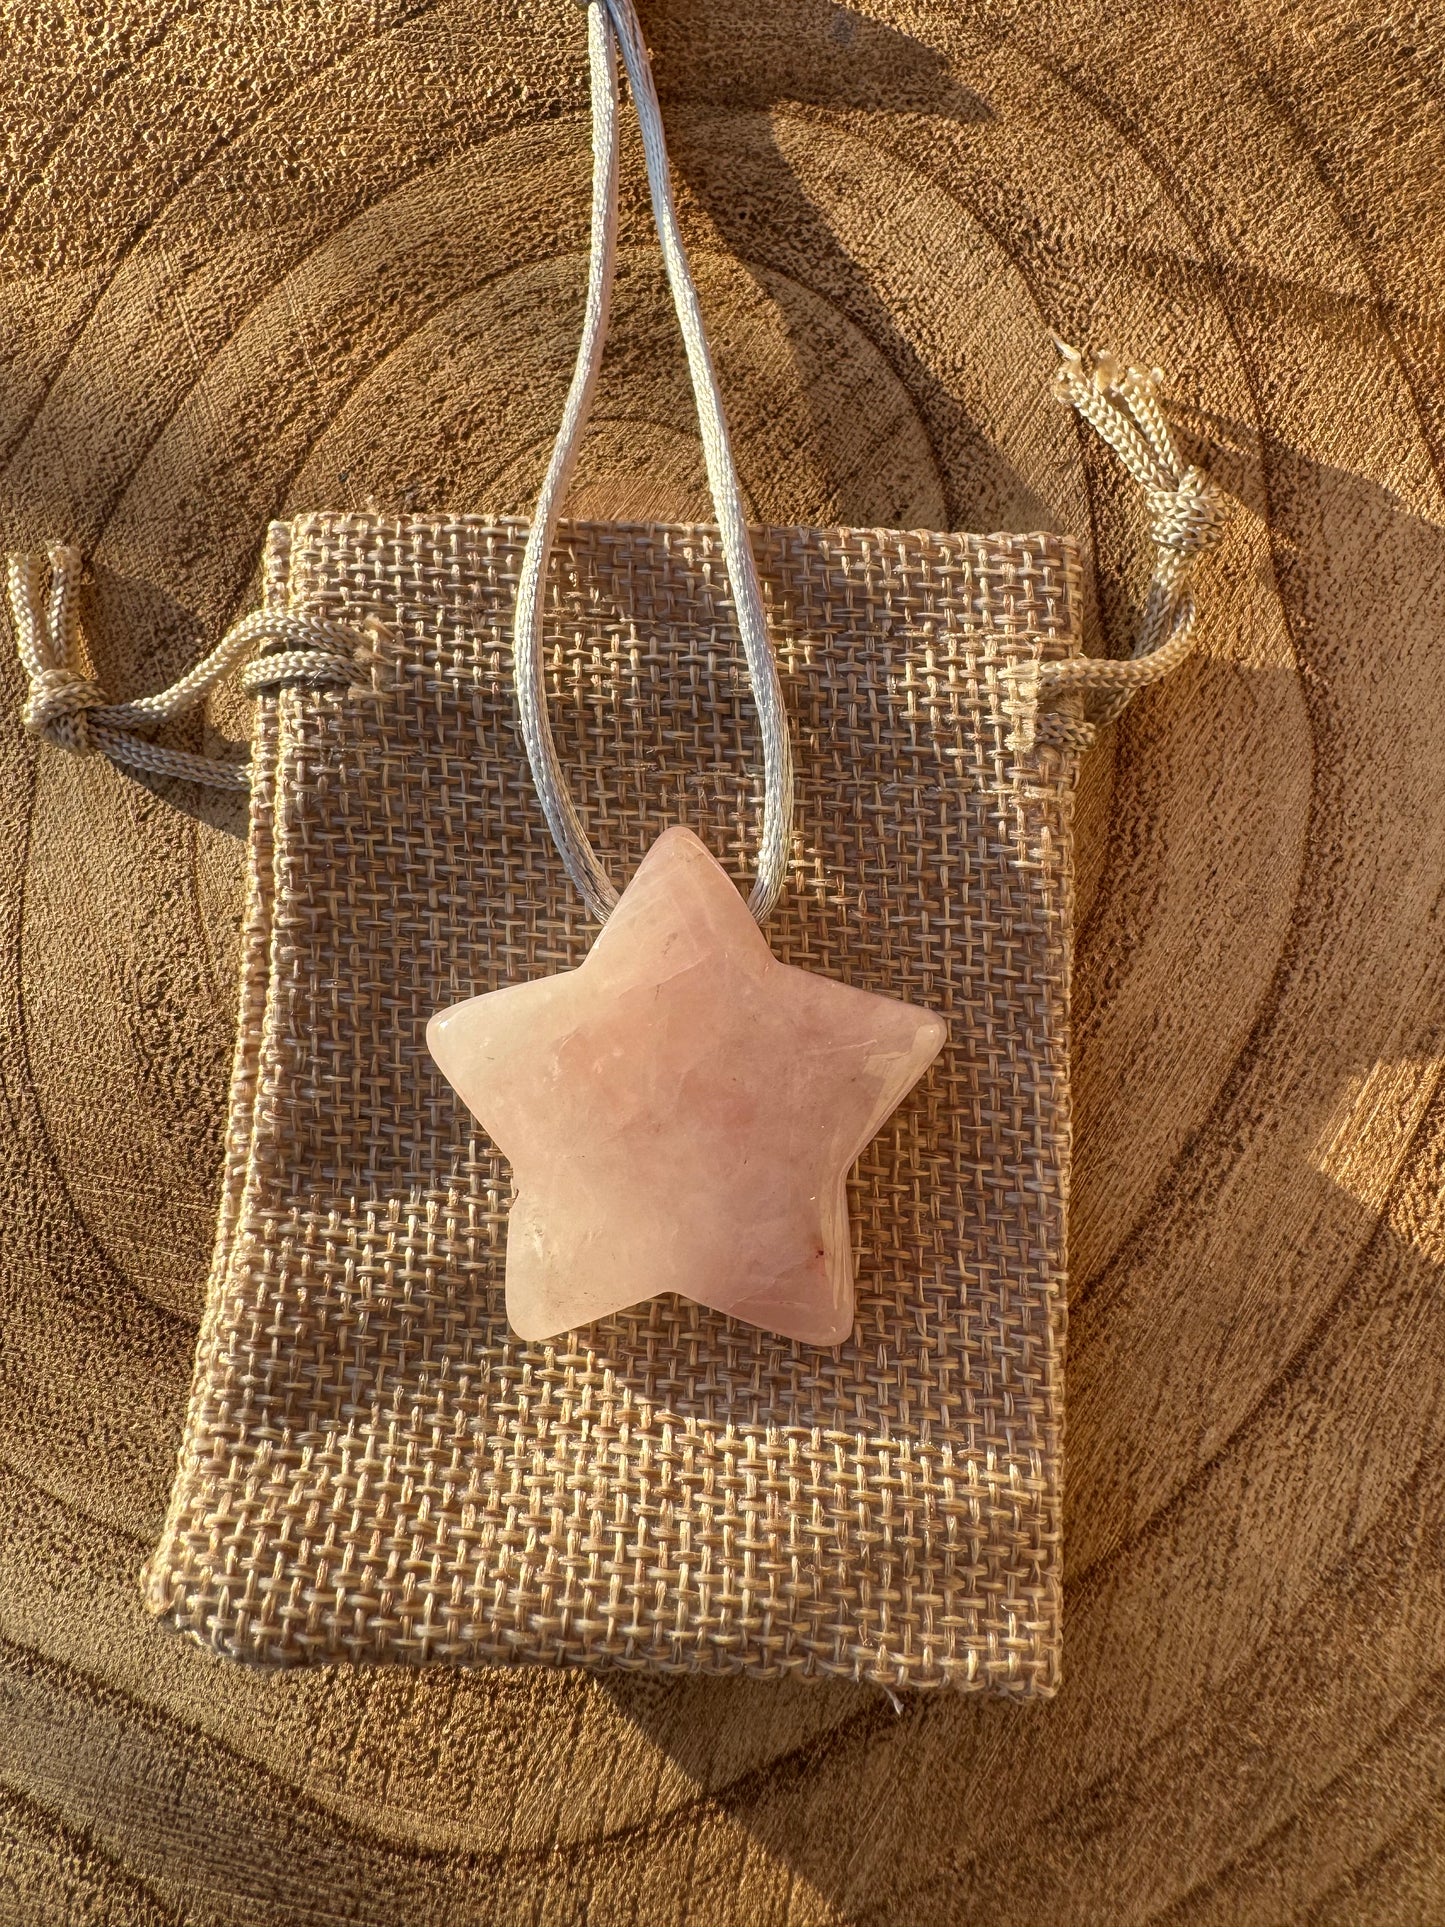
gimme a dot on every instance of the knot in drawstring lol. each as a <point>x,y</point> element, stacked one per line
<point>68,709</point>
<point>1187,514</point>
<point>58,707</point>
<point>1188,518</point>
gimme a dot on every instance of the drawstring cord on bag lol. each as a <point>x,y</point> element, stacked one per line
<point>68,709</point>
<point>1186,519</point>
<point>1186,512</point>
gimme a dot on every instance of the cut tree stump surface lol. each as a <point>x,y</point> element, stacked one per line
<point>261,260</point>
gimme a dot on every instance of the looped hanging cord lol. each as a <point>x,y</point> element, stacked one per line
<point>1186,519</point>
<point>68,709</point>
<point>610,23</point>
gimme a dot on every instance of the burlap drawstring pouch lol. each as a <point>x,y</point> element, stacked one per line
<point>374,1467</point>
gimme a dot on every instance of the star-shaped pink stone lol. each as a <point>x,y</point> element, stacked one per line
<point>682,1111</point>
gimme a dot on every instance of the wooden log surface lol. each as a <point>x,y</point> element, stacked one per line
<point>257,260</point>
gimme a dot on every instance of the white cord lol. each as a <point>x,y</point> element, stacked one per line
<point>611,23</point>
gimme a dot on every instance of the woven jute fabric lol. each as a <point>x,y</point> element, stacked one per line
<point>374,1467</point>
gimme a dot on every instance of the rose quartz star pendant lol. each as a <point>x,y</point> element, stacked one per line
<point>682,1111</point>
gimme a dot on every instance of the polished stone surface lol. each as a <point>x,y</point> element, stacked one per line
<point>682,1111</point>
